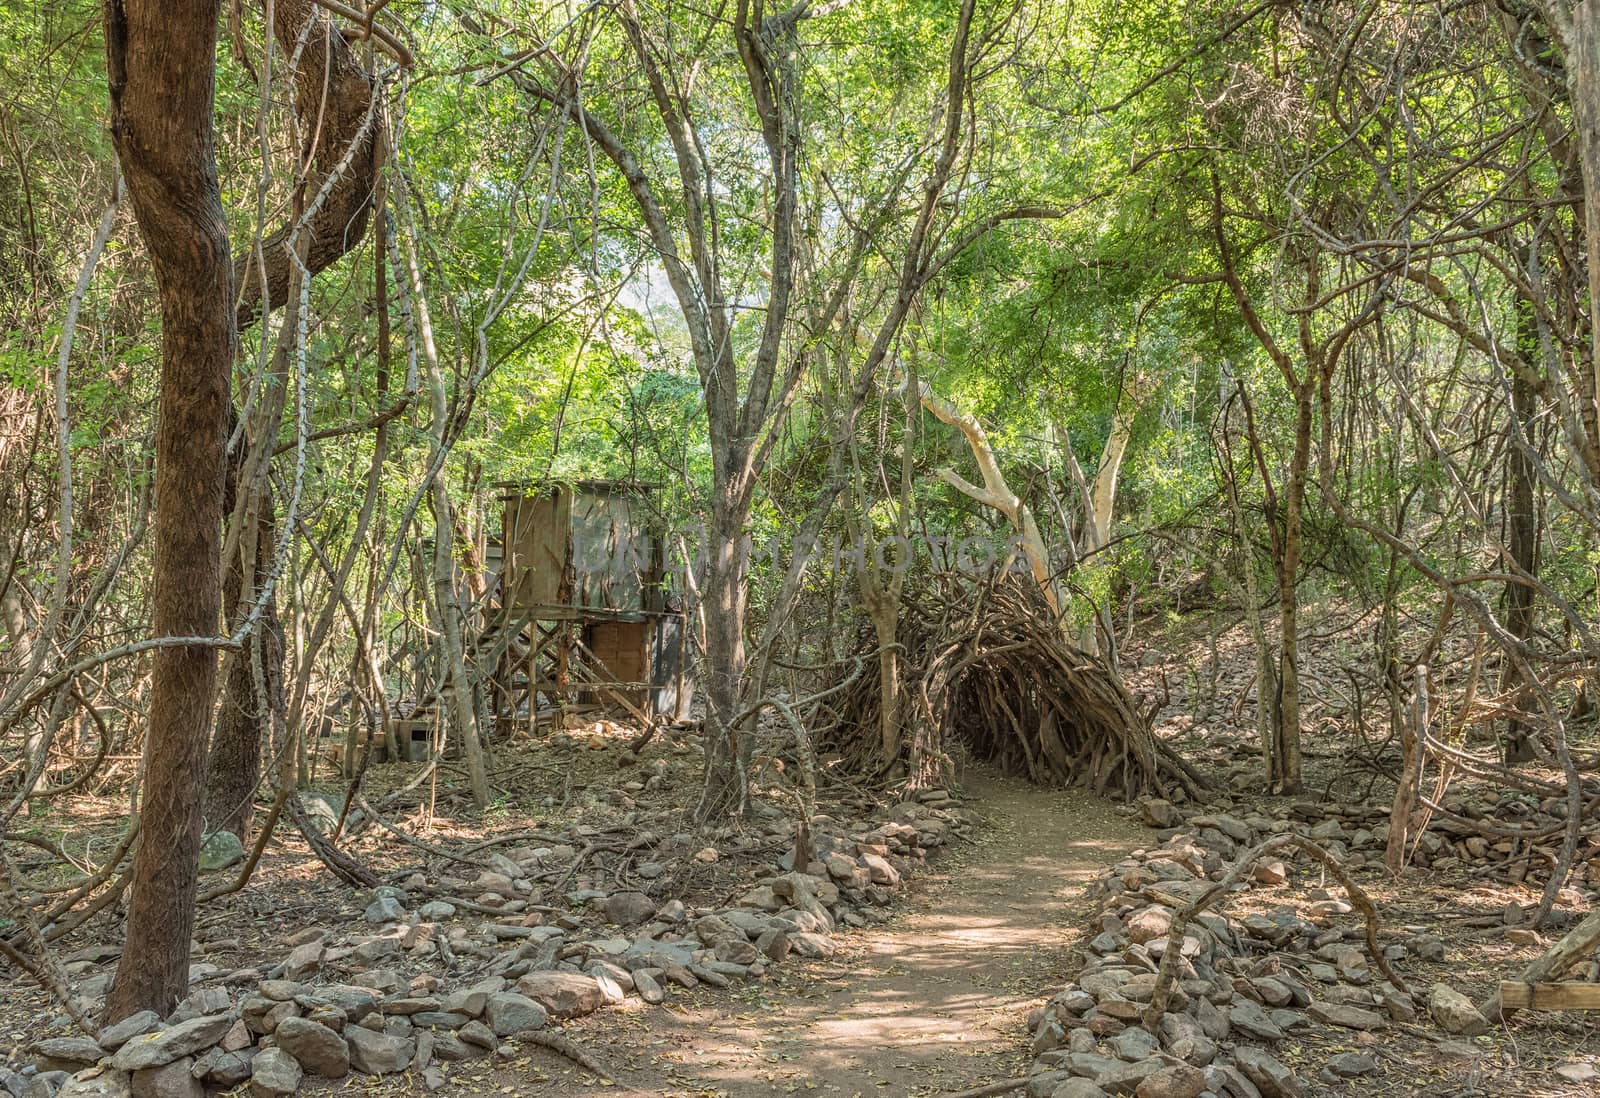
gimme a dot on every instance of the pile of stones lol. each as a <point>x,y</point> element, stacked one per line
<point>1245,984</point>
<point>420,988</point>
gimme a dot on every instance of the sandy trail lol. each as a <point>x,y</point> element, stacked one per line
<point>931,1001</point>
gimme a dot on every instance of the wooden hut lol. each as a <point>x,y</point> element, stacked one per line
<point>583,606</point>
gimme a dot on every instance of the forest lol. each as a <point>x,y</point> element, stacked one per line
<point>934,548</point>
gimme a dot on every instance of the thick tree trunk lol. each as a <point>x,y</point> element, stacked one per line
<point>161,61</point>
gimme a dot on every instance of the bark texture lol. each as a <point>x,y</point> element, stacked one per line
<point>161,67</point>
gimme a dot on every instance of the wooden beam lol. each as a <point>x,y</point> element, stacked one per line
<point>1571,995</point>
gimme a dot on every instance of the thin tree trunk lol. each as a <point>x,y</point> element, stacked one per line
<point>457,687</point>
<point>1288,724</point>
<point>1522,535</point>
<point>160,60</point>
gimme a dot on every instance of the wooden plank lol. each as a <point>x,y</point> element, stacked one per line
<point>1571,995</point>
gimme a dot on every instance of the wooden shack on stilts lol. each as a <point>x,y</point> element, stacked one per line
<point>584,617</point>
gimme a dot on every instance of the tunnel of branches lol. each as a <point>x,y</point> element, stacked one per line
<point>986,673</point>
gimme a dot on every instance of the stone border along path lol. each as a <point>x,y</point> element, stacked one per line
<point>931,1001</point>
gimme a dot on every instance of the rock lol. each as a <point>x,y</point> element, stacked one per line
<point>1149,923</point>
<point>304,960</point>
<point>563,994</point>
<point>1159,813</point>
<point>1133,1045</point>
<point>45,1084</point>
<point>1270,1077</point>
<point>1270,871</point>
<point>117,1034</point>
<point>106,1084</point>
<point>1178,1081</point>
<point>356,1002</point>
<point>1183,1038</point>
<point>174,1080</point>
<point>66,1053</point>
<point>629,908</point>
<point>184,1039</point>
<point>647,987</point>
<point>880,871</point>
<point>1077,1088</point>
<point>378,1053</point>
<point>1454,1012</point>
<point>507,1013</point>
<point>1578,1072</point>
<point>1125,1078</point>
<point>1427,947</point>
<point>1347,1016</point>
<point>1348,1065</point>
<point>1229,1082</point>
<point>478,1035</point>
<point>385,909</point>
<point>224,1069</point>
<point>314,1047</point>
<point>274,1074</point>
<point>220,850</point>
<point>1248,1018</point>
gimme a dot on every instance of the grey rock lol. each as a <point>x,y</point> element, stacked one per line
<point>356,1002</point>
<point>1077,1088</point>
<point>629,908</point>
<point>174,1080</point>
<point>66,1053</point>
<point>647,987</point>
<point>314,1046</point>
<point>1248,1018</point>
<point>163,1047</point>
<point>1133,1044</point>
<point>224,1069</point>
<point>479,1035</point>
<point>107,1084</point>
<point>385,909</point>
<point>450,1048</point>
<point>378,1053</point>
<point>1454,1012</point>
<point>508,1012</point>
<point>1346,1016</point>
<point>1348,1065</point>
<point>1177,1081</point>
<point>1270,1077</point>
<point>45,1084</point>
<point>274,1074</point>
<point>1125,1078</point>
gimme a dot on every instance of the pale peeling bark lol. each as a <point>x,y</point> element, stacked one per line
<point>995,492</point>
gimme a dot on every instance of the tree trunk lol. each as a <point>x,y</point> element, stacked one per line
<point>245,713</point>
<point>160,60</point>
<point>722,601</point>
<point>1522,535</point>
<point>1102,508</point>
<point>1287,778</point>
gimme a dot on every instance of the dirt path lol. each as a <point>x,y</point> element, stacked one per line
<point>931,1001</point>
